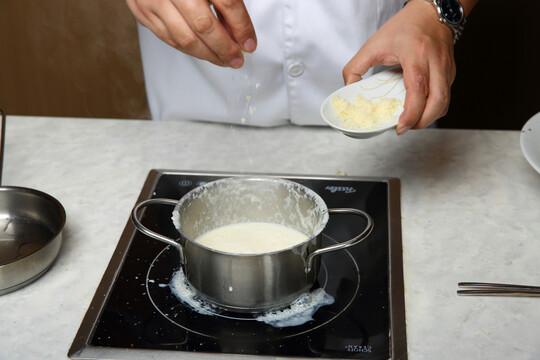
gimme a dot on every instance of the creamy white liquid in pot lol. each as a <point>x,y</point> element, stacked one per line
<point>251,238</point>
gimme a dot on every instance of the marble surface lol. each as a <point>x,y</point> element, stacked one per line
<point>470,212</point>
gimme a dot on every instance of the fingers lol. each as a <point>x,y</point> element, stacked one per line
<point>428,95</point>
<point>369,55</point>
<point>357,67</point>
<point>191,27</point>
<point>206,28</point>
<point>423,46</point>
<point>179,34</point>
<point>236,18</point>
<point>437,101</point>
<point>427,85</point>
<point>138,13</point>
<point>416,81</point>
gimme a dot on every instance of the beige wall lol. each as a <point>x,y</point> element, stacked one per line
<point>70,58</point>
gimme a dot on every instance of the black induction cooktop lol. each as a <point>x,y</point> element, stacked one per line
<point>134,315</point>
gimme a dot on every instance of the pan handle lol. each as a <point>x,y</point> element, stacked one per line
<point>153,234</point>
<point>355,240</point>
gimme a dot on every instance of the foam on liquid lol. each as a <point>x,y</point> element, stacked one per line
<point>251,238</point>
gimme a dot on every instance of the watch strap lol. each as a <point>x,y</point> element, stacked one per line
<point>457,28</point>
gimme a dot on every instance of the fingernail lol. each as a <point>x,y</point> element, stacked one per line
<point>249,45</point>
<point>351,80</point>
<point>236,63</point>
<point>402,129</point>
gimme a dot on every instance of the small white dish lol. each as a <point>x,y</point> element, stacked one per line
<point>530,141</point>
<point>385,84</point>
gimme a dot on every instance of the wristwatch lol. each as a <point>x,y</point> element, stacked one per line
<point>451,14</point>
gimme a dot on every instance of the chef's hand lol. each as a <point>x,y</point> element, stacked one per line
<point>415,39</point>
<point>191,27</point>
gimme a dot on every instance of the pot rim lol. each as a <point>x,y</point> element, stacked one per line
<point>44,196</point>
<point>194,192</point>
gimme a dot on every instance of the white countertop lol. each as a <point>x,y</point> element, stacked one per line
<point>470,212</point>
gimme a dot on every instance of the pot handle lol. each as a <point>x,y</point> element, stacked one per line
<point>153,234</point>
<point>355,240</point>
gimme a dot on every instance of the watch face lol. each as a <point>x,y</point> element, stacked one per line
<point>452,11</point>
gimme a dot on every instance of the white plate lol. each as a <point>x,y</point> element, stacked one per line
<point>530,141</point>
<point>385,84</point>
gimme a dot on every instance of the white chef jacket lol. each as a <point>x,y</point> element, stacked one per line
<point>302,47</point>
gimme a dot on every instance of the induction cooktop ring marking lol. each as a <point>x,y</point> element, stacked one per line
<point>324,269</point>
<point>190,329</point>
<point>356,290</point>
<point>149,294</point>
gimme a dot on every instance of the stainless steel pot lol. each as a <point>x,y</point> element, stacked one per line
<point>252,282</point>
<point>31,224</point>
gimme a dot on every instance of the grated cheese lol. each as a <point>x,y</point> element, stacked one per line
<point>363,114</point>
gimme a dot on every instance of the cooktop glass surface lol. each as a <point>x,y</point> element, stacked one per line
<point>135,314</point>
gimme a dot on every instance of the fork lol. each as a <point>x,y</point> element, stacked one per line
<point>494,289</point>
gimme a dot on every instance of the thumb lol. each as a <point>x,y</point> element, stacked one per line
<point>361,62</point>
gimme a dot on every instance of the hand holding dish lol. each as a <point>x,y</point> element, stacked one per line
<point>368,107</point>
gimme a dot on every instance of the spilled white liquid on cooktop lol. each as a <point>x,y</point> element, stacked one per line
<point>299,312</point>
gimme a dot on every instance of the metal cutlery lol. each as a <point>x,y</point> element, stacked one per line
<point>494,289</point>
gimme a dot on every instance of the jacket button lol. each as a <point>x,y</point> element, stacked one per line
<point>296,69</point>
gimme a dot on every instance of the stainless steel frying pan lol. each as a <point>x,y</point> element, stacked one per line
<point>31,224</point>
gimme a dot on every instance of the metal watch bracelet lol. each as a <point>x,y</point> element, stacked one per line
<point>457,28</point>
